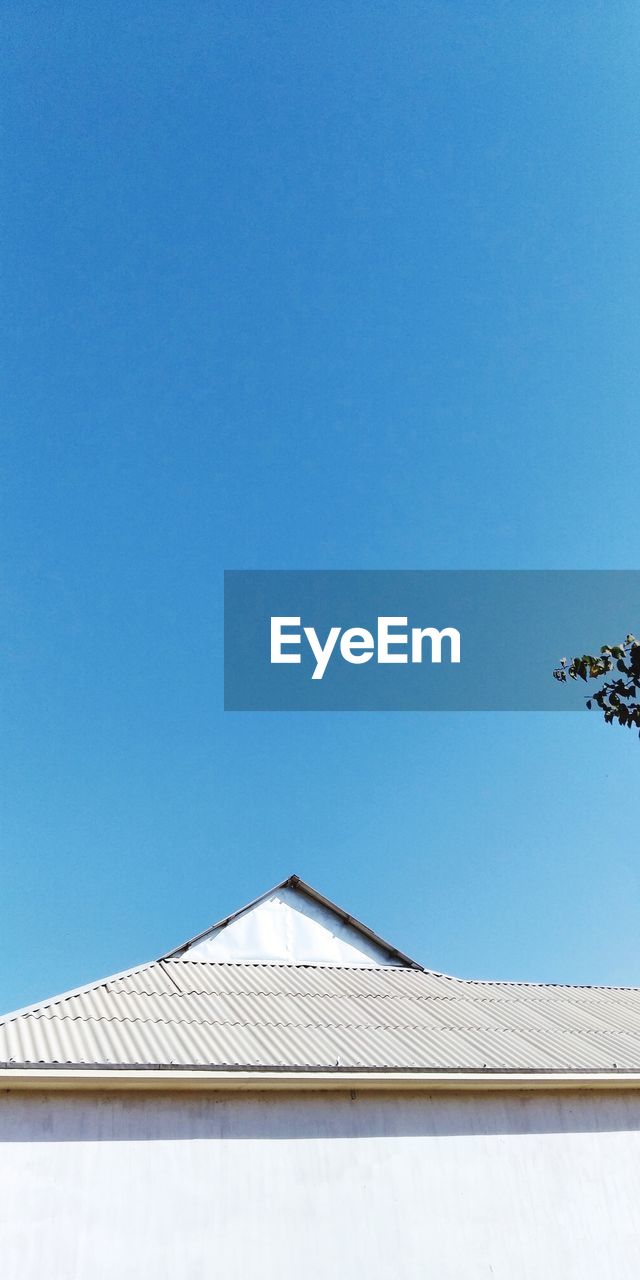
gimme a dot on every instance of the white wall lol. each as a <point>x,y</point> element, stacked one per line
<point>511,1187</point>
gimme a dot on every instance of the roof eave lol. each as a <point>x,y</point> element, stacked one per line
<point>177,1080</point>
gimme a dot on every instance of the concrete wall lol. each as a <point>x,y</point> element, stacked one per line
<point>457,1187</point>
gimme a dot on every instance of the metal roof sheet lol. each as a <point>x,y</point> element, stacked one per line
<point>199,1014</point>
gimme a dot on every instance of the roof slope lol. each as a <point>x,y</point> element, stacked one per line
<point>199,1014</point>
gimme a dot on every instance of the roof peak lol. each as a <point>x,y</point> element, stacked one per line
<point>292,923</point>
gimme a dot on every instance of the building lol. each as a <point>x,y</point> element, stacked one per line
<point>288,1095</point>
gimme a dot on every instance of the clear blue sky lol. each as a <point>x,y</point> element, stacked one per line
<point>350,285</point>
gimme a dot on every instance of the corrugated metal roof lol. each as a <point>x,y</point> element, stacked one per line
<point>181,1013</point>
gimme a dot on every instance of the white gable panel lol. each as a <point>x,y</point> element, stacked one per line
<point>289,927</point>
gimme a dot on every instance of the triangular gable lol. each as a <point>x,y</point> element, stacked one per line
<point>292,924</point>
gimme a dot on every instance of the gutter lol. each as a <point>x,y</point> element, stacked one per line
<point>124,1079</point>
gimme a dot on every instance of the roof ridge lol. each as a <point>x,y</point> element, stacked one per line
<point>297,964</point>
<point>545,986</point>
<point>381,968</point>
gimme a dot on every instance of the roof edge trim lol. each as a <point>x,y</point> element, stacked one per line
<point>44,1079</point>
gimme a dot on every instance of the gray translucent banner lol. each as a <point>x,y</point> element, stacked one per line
<point>370,640</point>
